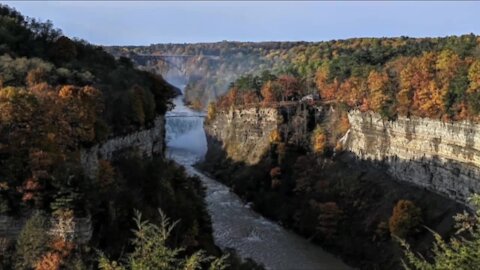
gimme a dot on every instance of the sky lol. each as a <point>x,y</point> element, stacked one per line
<point>149,22</point>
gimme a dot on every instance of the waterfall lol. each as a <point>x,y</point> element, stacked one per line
<point>184,128</point>
<point>177,126</point>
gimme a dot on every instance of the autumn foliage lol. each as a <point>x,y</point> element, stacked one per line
<point>405,219</point>
<point>319,140</point>
<point>54,259</point>
<point>275,136</point>
<point>265,89</point>
<point>434,78</point>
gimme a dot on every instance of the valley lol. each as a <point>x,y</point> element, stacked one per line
<point>235,225</point>
<point>355,152</point>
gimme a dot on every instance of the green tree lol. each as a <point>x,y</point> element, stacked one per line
<point>32,242</point>
<point>152,253</point>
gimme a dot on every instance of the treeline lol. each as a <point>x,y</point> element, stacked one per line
<point>265,88</point>
<point>440,80</point>
<point>332,66</point>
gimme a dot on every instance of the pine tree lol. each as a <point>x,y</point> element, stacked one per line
<point>152,253</point>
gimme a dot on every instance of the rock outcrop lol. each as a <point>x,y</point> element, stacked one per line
<point>243,133</point>
<point>147,142</point>
<point>442,157</point>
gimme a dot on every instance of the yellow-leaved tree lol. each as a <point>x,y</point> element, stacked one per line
<point>319,140</point>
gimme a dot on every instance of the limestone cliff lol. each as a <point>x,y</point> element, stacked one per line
<point>443,157</point>
<point>147,142</point>
<point>244,134</point>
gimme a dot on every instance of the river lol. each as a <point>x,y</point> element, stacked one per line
<point>235,225</point>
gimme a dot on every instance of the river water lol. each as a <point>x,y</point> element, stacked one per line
<point>235,225</point>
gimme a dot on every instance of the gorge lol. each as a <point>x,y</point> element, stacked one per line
<point>358,153</point>
<point>260,145</point>
<point>343,202</point>
<point>235,225</point>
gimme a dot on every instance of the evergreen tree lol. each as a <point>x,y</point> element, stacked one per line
<point>152,253</point>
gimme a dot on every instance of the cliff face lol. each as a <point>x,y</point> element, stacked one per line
<point>443,157</point>
<point>243,134</point>
<point>147,142</point>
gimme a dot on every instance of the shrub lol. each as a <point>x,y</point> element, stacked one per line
<point>105,175</point>
<point>381,232</point>
<point>329,216</point>
<point>343,123</point>
<point>405,219</point>
<point>275,172</point>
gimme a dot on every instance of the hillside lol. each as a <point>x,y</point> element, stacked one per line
<point>208,68</point>
<point>81,148</point>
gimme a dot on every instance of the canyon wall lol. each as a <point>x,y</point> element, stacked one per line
<point>147,142</point>
<point>442,157</point>
<point>244,134</point>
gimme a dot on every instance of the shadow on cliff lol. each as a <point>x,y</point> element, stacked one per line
<point>339,202</point>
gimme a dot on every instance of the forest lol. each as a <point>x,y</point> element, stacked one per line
<point>440,81</point>
<point>446,69</point>
<point>58,96</point>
